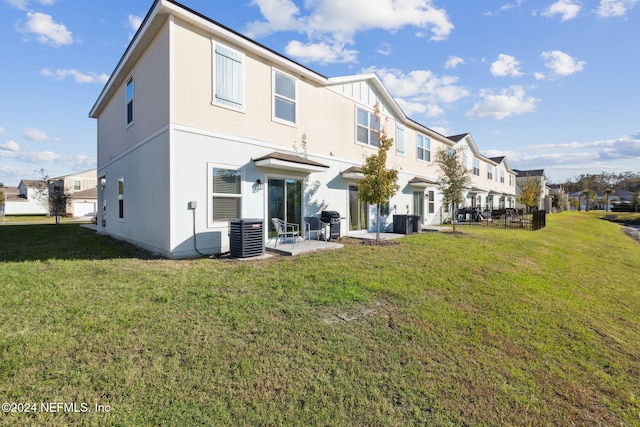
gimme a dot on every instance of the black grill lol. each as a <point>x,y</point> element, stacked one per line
<point>332,218</point>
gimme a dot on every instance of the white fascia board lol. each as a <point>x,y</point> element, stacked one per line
<point>292,166</point>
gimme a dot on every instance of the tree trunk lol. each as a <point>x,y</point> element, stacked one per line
<point>377,223</point>
<point>453,217</point>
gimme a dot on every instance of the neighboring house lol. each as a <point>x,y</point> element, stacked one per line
<point>25,199</point>
<point>493,183</point>
<point>82,187</point>
<point>538,174</point>
<point>199,124</point>
<point>563,197</point>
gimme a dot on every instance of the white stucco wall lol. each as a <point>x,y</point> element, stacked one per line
<point>147,201</point>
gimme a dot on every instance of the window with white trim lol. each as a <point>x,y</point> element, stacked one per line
<point>423,144</point>
<point>77,185</point>
<point>228,80</point>
<point>489,172</point>
<point>121,198</point>
<point>501,176</point>
<point>284,97</point>
<point>226,193</point>
<point>476,167</point>
<point>400,139</point>
<point>367,128</point>
<point>431,201</point>
<point>129,98</point>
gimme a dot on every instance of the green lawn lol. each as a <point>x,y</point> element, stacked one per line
<point>488,327</point>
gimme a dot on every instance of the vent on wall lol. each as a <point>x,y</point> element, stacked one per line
<point>246,238</point>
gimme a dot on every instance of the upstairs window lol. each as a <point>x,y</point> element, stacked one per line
<point>77,185</point>
<point>424,148</point>
<point>400,139</point>
<point>368,128</point>
<point>129,97</point>
<point>501,177</point>
<point>284,97</point>
<point>228,77</point>
<point>476,167</point>
<point>489,172</point>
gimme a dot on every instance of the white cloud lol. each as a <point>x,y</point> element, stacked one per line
<point>328,23</point>
<point>38,135</point>
<point>22,4</point>
<point>10,146</point>
<point>46,30</point>
<point>614,8</point>
<point>453,62</point>
<point>384,49</point>
<point>322,53</point>
<point>506,65</point>
<point>562,64</point>
<point>568,9</point>
<point>420,84</point>
<point>133,22</point>
<point>506,7</point>
<point>510,101</point>
<point>3,131</point>
<point>350,17</point>
<point>77,75</point>
<point>416,108</point>
<point>76,162</point>
<point>420,91</point>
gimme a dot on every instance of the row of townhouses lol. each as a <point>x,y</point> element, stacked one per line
<point>199,124</point>
<point>30,196</point>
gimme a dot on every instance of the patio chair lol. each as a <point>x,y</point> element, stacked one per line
<point>312,224</point>
<point>284,229</point>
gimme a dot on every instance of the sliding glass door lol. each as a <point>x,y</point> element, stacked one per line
<point>285,202</point>
<point>358,212</point>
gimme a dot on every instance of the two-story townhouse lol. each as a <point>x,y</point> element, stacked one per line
<point>493,183</point>
<point>82,189</point>
<point>199,124</point>
<point>545,201</point>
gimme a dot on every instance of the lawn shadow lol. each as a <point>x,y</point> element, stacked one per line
<point>62,241</point>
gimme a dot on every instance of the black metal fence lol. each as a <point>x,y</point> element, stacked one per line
<point>503,218</point>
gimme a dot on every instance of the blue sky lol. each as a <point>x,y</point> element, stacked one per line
<point>551,84</point>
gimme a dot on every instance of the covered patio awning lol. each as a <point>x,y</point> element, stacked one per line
<point>420,182</point>
<point>478,189</point>
<point>353,173</point>
<point>292,162</point>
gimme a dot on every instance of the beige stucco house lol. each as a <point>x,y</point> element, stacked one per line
<point>199,124</point>
<point>82,188</point>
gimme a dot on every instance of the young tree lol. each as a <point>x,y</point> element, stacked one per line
<point>379,183</point>
<point>58,199</point>
<point>53,195</point>
<point>454,177</point>
<point>3,197</point>
<point>530,192</point>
